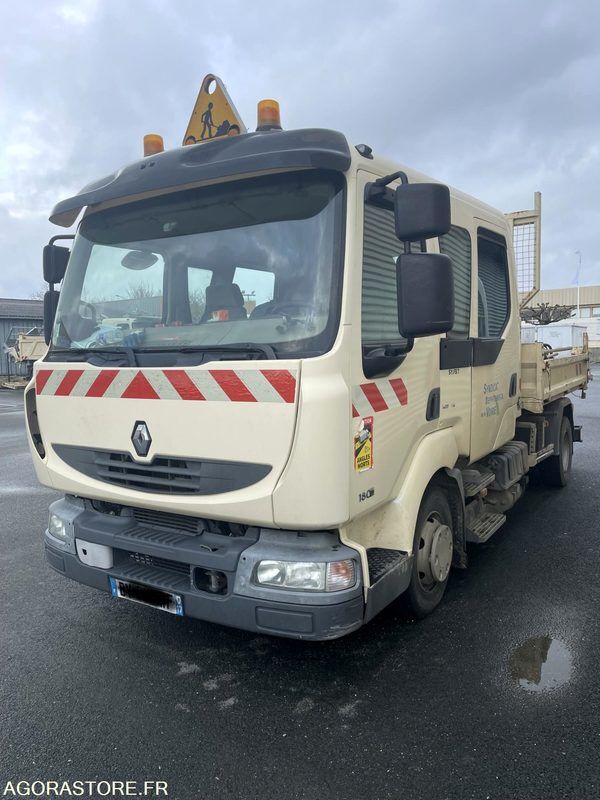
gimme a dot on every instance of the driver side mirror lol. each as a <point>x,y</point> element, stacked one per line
<point>55,260</point>
<point>425,294</point>
<point>421,211</point>
<point>50,304</point>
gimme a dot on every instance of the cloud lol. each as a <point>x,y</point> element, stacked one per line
<point>497,98</point>
<point>78,14</point>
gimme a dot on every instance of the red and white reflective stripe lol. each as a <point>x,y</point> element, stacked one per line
<point>238,386</point>
<point>378,396</point>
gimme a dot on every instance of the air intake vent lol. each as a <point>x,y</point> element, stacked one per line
<point>173,522</point>
<point>164,474</point>
<point>160,563</point>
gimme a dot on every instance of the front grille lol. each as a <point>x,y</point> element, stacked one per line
<point>172,522</point>
<point>170,475</point>
<point>164,474</point>
<point>160,563</point>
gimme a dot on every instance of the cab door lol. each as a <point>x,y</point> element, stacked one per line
<point>496,345</point>
<point>391,387</point>
<point>456,346</point>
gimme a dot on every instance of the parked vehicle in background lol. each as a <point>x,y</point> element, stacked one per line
<point>23,348</point>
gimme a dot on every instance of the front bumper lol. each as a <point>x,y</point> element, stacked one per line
<point>171,561</point>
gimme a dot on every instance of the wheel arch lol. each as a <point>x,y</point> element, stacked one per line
<point>568,412</point>
<point>450,480</point>
<point>554,413</point>
<point>392,525</point>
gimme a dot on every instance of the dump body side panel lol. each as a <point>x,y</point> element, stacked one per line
<point>547,374</point>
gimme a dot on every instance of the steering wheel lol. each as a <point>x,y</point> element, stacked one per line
<point>291,309</point>
<point>90,311</point>
<point>294,313</point>
<point>80,326</point>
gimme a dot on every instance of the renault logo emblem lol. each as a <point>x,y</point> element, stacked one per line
<point>141,438</point>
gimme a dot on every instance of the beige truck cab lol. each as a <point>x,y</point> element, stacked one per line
<point>328,408</point>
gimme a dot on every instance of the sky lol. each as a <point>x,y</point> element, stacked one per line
<point>497,98</point>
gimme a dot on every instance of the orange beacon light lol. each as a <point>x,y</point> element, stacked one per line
<point>153,144</point>
<point>268,118</point>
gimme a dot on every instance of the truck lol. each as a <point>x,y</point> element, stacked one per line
<point>23,346</point>
<point>293,464</point>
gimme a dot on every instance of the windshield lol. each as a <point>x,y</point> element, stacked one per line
<point>251,262</point>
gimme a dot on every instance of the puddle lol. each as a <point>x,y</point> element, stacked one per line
<point>541,664</point>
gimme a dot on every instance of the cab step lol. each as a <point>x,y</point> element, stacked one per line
<point>484,527</point>
<point>474,480</point>
<point>381,560</point>
<point>389,576</point>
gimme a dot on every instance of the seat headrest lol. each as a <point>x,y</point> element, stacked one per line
<point>224,296</point>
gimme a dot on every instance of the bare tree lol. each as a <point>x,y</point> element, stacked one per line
<point>38,294</point>
<point>544,314</point>
<point>142,290</point>
<point>197,304</point>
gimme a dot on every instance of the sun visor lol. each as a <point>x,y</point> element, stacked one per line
<point>310,148</point>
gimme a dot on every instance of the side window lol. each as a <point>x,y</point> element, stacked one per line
<point>493,285</point>
<point>123,295</point>
<point>198,280</point>
<point>457,245</point>
<point>256,286</point>
<point>379,296</point>
<point>483,320</point>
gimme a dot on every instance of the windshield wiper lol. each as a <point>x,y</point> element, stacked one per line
<point>100,355</point>
<point>244,347</point>
<point>103,353</point>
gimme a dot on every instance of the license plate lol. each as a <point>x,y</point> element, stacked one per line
<point>147,595</point>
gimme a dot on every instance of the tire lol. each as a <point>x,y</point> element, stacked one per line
<point>425,592</point>
<point>556,470</point>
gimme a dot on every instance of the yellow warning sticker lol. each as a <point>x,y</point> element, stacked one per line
<point>214,114</point>
<point>363,445</point>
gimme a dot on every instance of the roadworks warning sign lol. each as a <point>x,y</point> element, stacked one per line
<point>214,114</point>
<point>363,445</point>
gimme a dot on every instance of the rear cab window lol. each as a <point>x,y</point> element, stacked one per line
<point>493,287</point>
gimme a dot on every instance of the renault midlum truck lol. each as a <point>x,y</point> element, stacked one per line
<point>319,397</point>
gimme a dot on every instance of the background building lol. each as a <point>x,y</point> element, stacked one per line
<point>589,309</point>
<point>17,316</point>
<point>589,299</point>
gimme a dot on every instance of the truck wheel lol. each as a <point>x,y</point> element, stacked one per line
<point>556,470</point>
<point>432,550</point>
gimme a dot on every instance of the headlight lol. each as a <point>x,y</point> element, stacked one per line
<point>56,527</point>
<point>312,576</point>
<point>292,574</point>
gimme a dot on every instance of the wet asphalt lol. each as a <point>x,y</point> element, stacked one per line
<point>496,695</point>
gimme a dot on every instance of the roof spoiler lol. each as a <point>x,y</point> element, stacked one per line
<point>310,148</point>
